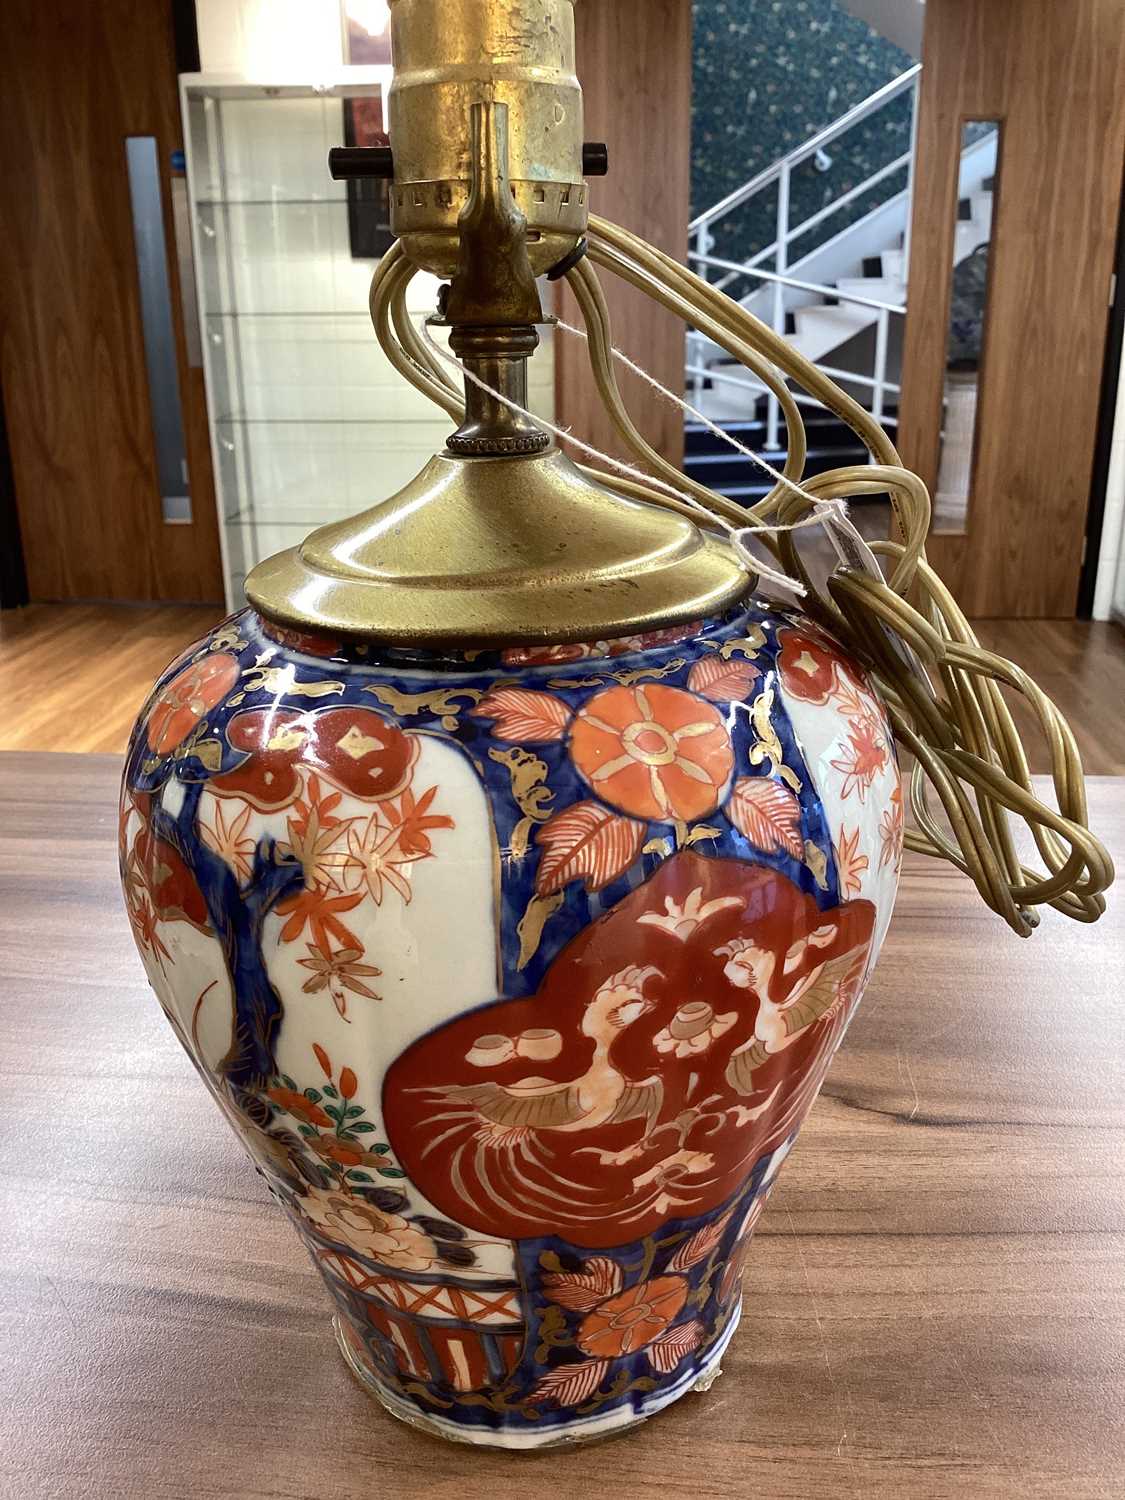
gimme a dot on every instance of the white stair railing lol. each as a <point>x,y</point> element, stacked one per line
<point>780,173</point>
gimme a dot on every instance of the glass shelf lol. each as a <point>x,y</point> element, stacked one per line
<point>337,202</point>
<point>310,422</point>
<point>236,419</point>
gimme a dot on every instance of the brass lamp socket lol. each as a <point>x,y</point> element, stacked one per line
<point>452,54</point>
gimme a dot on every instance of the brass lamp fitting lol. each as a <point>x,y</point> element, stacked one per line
<point>450,55</point>
<point>501,539</point>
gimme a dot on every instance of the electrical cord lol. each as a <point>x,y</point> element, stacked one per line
<point>953,720</point>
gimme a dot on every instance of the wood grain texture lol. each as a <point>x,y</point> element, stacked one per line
<point>936,1294</point>
<point>1051,74</point>
<point>74,676</point>
<point>56,662</point>
<point>634,61</point>
<point>1080,664</point>
<point>79,79</point>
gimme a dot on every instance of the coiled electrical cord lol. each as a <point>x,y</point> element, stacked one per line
<point>954,721</point>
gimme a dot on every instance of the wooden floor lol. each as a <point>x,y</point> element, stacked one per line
<point>72,677</point>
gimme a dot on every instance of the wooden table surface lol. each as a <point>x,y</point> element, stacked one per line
<point>935,1297</point>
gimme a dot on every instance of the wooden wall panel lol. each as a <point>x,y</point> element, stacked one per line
<point>77,80</point>
<point>1052,73</point>
<point>634,61</point>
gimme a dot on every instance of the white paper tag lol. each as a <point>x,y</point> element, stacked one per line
<point>854,553</point>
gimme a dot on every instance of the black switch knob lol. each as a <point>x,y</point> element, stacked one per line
<point>595,159</point>
<point>361,161</point>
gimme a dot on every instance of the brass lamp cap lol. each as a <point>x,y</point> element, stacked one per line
<point>479,552</point>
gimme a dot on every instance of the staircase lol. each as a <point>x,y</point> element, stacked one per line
<point>719,466</point>
<point>840,304</point>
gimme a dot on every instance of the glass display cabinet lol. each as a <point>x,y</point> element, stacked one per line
<point>309,421</point>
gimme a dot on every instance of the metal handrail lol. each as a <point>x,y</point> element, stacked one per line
<point>779,278</point>
<point>750,382</point>
<point>801,286</point>
<point>851,117</point>
<point>852,194</point>
<point>768,251</point>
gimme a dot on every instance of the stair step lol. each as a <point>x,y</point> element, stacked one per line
<point>967,238</point>
<point>771,456</point>
<point>746,494</point>
<point>881,288</point>
<point>717,470</point>
<point>823,431</point>
<point>821,329</point>
<point>814,418</point>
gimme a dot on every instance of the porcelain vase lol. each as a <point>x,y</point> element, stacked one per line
<point>516,974</point>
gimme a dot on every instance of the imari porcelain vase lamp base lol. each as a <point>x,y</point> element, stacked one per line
<point>508,870</point>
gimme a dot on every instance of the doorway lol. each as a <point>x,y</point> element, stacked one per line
<point>105,409</point>
<point>1001,376</point>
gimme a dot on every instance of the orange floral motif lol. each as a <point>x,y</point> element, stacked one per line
<point>145,925</point>
<point>295,1103</point>
<point>542,656</point>
<point>187,698</point>
<point>311,644</point>
<point>226,836</point>
<point>414,821</point>
<point>854,701</point>
<point>320,911</point>
<point>343,1150</point>
<point>337,973</point>
<point>653,751</point>
<point>891,830</point>
<point>807,665</point>
<point>538,656</point>
<point>863,759</point>
<point>376,860</point>
<point>313,836</point>
<point>850,864</point>
<point>633,1318</point>
<point>381,853</point>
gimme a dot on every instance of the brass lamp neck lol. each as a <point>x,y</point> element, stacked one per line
<point>493,303</point>
<point>497,357</point>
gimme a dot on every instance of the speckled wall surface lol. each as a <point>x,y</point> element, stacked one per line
<point>767,75</point>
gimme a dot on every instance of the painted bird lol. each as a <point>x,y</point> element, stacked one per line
<point>816,996</point>
<point>600,1096</point>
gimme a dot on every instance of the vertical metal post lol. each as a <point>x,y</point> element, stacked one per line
<point>915,107</point>
<point>882,340</point>
<point>695,344</point>
<point>781,264</point>
<point>702,237</point>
